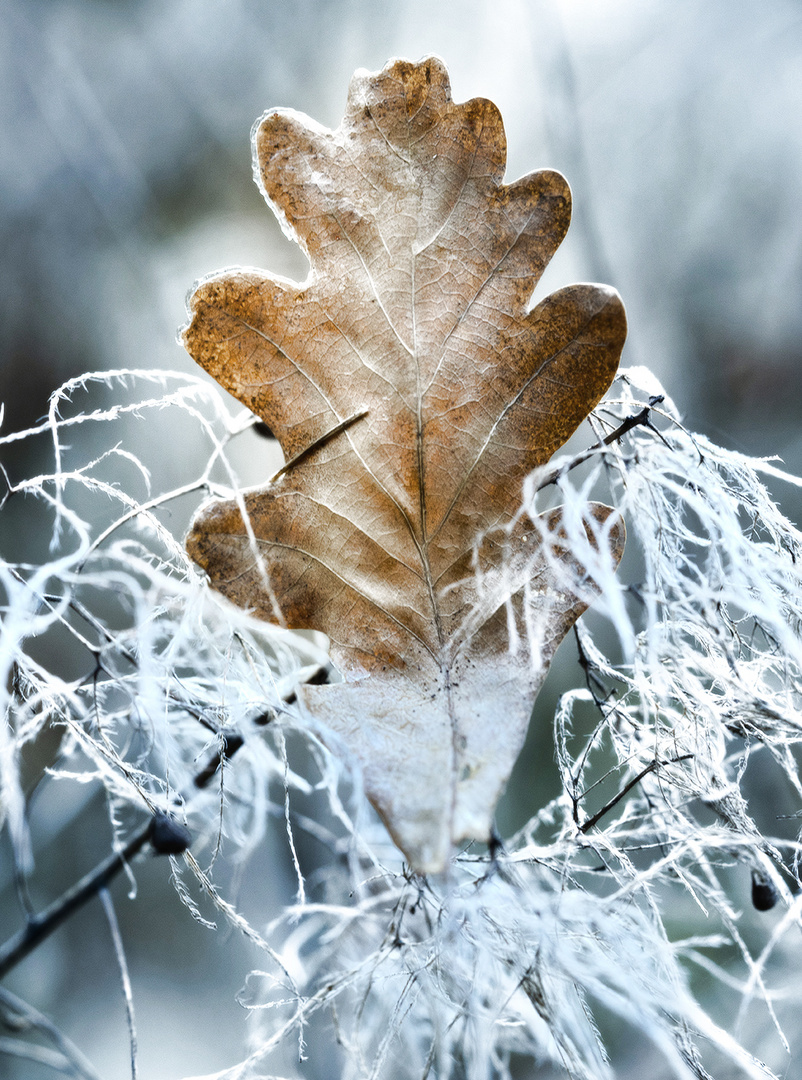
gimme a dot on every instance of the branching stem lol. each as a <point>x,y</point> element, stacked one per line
<point>40,926</point>
<point>640,419</point>
<point>588,825</point>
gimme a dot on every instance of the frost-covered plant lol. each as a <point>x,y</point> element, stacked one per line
<point>595,917</point>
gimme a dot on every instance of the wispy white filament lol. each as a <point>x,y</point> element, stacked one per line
<point>607,901</point>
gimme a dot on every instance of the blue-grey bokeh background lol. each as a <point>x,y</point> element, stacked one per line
<point>126,174</point>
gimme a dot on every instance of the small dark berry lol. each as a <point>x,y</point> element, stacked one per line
<point>168,836</point>
<point>764,895</point>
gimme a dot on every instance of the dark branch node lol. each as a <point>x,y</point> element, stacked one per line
<point>320,678</point>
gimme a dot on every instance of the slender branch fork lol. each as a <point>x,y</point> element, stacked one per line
<point>586,826</point>
<point>640,419</point>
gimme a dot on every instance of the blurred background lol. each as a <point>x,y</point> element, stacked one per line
<point>126,175</point>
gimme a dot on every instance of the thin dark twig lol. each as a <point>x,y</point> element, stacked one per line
<point>41,926</point>
<point>229,745</point>
<point>598,691</point>
<point>231,742</point>
<point>318,677</point>
<point>38,927</point>
<point>588,825</point>
<point>327,436</point>
<point>641,419</point>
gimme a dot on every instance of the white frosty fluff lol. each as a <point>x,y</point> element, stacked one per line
<point>491,958</point>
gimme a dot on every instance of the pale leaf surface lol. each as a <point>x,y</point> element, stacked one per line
<point>412,345</point>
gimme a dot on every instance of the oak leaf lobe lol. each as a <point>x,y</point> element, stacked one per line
<point>412,345</point>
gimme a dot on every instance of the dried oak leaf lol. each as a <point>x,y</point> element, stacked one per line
<point>411,391</point>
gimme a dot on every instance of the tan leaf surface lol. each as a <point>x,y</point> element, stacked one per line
<point>412,344</point>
